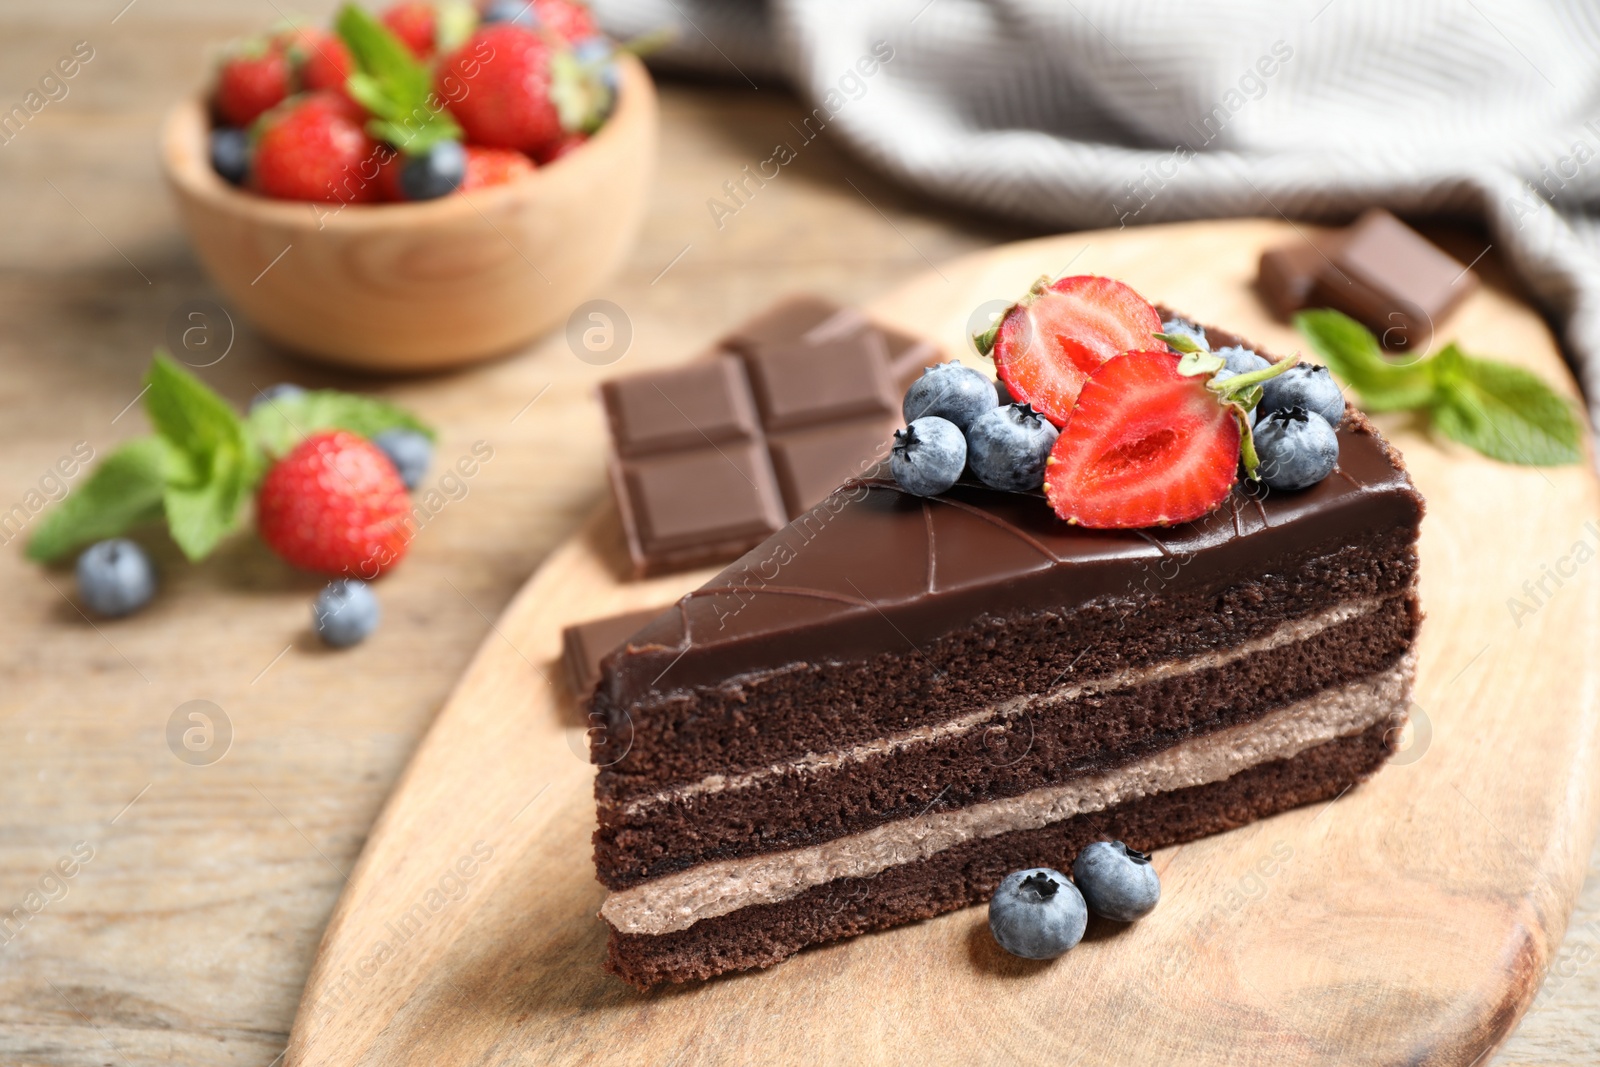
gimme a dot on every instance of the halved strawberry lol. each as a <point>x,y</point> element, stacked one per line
<point>1049,342</point>
<point>1144,446</point>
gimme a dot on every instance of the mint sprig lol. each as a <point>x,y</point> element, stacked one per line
<point>393,85</point>
<point>123,492</point>
<point>1503,411</point>
<point>202,463</point>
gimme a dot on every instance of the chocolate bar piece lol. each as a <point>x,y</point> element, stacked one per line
<point>1379,271</point>
<point>1393,280</point>
<point>1287,273</point>
<point>584,644</point>
<point>711,458</point>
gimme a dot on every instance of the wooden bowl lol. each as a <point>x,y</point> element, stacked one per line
<point>412,287</point>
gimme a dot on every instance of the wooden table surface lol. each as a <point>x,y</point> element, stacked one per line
<point>199,891</point>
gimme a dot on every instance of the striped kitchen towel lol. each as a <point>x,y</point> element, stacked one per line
<point>1095,113</point>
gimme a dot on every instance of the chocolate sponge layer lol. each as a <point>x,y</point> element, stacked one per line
<point>753,720</point>
<point>761,935</point>
<point>1043,747</point>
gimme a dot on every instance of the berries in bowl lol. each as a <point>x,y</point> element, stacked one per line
<point>430,186</point>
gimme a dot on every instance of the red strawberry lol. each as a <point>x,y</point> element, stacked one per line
<point>493,166</point>
<point>1143,446</point>
<point>415,23</point>
<point>1049,342</point>
<point>314,148</point>
<point>335,505</point>
<point>567,19</point>
<point>502,101</point>
<point>321,58</point>
<point>249,82</point>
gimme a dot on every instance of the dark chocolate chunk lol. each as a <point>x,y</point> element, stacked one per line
<point>713,457</point>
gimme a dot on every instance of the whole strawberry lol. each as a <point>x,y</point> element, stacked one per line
<point>569,20</point>
<point>255,77</point>
<point>315,148</point>
<point>321,60</point>
<point>415,23</point>
<point>498,83</point>
<point>494,166</point>
<point>335,505</point>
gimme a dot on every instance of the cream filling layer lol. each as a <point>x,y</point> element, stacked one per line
<point>1289,633</point>
<point>678,901</point>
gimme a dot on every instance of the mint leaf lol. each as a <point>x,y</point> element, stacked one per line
<point>278,425</point>
<point>124,491</point>
<point>211,466</point>
<point>191,417</point>
<point>1352,352</point>
<point>204,508</point>
<point>393,85</point>
<point>1502,411</point>
<point>1505,412</point>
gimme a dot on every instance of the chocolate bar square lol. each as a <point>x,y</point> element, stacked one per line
<point>808,463</point>
<point>800,385</point>
<point>723,495</point>
<point>703,403</point>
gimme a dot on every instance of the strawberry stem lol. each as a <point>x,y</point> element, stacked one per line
<point>984,342</point>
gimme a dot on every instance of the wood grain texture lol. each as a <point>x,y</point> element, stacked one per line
<point>1409,921</point>
<point>187,939</point>
<point>412,287</point>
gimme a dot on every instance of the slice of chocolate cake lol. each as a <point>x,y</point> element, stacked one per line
<point>889,705</point>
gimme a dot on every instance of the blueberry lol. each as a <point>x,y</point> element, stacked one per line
<point>1003,393</point>
<point>1305,385</point>
<point>1223,375</point>
<point>1117,882</point>
<point>230,153</point>
<point>1241,360</point>
<point>410,452</point>
<point>115,577</point>
<point>435,173</point>
<point>951,391</point>
<point>346,611</point>
<point>519,11</point>
<point>1187,329</point>
<point>281,391</point>
<point>1296,447</point>
<point>1037,914</point>
<point>1008,446</point>
<point>928,456</point>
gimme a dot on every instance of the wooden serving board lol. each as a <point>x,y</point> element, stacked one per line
<point>1409,921</point>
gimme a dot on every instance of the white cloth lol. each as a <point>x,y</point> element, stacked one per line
<point>1096,113</point>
